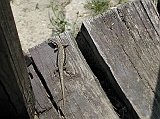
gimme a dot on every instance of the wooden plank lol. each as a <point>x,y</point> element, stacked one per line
<point>43,106</point>
<point>84,96</point>
<point>125,43</point>
<point>14,77</point>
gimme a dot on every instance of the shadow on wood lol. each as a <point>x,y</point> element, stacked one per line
<point>155,114</point>
<point>17,100</point>
<point>158,6</point>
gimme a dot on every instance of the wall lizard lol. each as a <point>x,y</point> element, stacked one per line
<point>61,57</point>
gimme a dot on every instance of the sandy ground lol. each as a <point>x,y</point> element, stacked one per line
<point>32,23</point>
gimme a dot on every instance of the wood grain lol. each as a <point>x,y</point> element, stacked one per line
<point>124,43</point>
<point>43,105</point>
<point>84,96</point>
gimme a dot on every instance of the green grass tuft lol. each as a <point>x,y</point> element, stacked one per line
<point>97,6</point>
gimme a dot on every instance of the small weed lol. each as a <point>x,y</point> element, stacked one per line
<point>122,2</point>
<point>37,6</point>
<point>97,6</point>
<point>73,26</point>
<point>58,22</point>
<point>155,2</point>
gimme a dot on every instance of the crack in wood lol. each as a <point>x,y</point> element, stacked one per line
<point>138,71</point>
<point>59,111</point>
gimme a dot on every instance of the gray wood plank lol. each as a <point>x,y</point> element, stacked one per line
<point>84,96</point>
<point>126,42</point>
<point>43,105</point>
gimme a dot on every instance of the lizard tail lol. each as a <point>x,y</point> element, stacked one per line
<point>63,89</point>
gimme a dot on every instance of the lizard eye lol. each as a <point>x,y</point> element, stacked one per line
<point>52,45</point>
<point>55,45</point>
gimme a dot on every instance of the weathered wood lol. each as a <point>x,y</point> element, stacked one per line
<point>43,105</point>
<point>14,77</point>
<point>124,43</point>
<point>84,96</point>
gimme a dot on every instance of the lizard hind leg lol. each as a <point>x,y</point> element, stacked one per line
<point>56,71</point>
<point>66,72</point>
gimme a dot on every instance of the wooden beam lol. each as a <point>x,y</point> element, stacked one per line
<point>14,78</point>
<point>124,43</point>
<point>84,96</point>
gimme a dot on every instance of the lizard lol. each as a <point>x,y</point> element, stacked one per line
<point>61,57</point>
